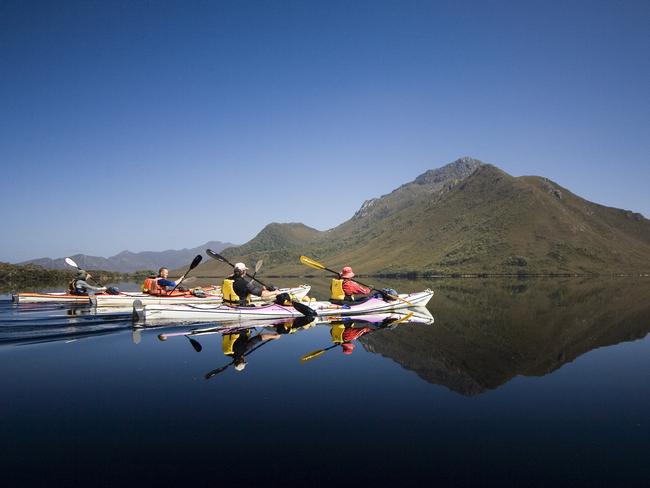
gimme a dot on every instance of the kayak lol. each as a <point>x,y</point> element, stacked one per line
<point>417,315</point>
<point>61,297</point>
<point>212,297</point>
<point>199,311</point>
<point>64,297</point>
<point>125,299</point>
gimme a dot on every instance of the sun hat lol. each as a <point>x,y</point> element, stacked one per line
<point>240,267</point>
<point>347,272</point>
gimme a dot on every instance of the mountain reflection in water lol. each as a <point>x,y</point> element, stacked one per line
<point>489,331</point>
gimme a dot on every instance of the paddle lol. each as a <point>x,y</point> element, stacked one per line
<point>301,307</point>
<point>71,262</point>
<point>195,344</point>
<point>317,265</point>
<point>318,352</point>
<point>215,372</point>
<point>297,323</point>
<point>195,262</point>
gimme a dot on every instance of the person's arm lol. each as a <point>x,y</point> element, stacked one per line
<point>88,287</point>
<point>162,282</point>
<point>354,288</point>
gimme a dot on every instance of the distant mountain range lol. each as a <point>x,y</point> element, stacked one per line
<point>128,261</point>
<point>466,217</point>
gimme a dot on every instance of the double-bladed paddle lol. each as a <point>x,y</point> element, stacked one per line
<point>195,262</point>
<point>315,264</point>
<point>301,307</point>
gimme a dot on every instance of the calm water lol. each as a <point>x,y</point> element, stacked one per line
<point>527,383</point>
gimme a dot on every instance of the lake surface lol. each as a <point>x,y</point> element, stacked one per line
<point>518,382</point>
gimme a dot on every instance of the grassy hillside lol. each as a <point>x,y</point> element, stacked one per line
<point>467,217</point>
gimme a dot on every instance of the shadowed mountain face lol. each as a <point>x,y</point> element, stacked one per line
<point>128,261</point>
<point>489,331</point>
<point>466,217</point>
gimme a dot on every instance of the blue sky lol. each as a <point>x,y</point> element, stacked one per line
<point>157,125</point>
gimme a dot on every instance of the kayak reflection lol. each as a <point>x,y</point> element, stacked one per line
<point>346,330</point>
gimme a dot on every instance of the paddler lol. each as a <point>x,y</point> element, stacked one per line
<point>80,286</point>
<point>160,285</point>
<point>237,288</point>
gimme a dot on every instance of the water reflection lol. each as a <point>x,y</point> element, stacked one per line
<point>489,331</point>
<point>239,340</point>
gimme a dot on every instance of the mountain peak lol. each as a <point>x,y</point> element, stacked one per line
<point>456,170</point>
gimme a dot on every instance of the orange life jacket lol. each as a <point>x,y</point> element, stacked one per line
<point>152,287</point>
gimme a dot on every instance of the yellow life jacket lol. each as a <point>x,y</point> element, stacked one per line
<point>229,295</point>
<point>337,333</point>
<point>228,342</point>
<point>336,289</point>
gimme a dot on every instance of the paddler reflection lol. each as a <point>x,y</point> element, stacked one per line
<point>239,344</point>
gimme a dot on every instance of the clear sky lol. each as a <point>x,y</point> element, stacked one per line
<point>161,125</point>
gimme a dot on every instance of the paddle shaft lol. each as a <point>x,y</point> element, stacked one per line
<point>72,263</point>
<point>219,257</point>
<point>195,262</point>
<point>215,372</point>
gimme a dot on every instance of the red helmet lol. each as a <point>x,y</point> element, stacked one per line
<point>347,272</point>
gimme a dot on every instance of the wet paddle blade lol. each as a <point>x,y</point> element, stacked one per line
<point>304,309</point>
<point>215,372</point>
<point>312,355</point>
<point>195,262</point>
<point>195,344</point>
<point>71,262</point>
<point>311,262</point>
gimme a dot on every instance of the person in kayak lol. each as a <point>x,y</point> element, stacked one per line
<point>237,289</point>
<point>160,285</point>
<point>79,285</point>
<point>344,289</point>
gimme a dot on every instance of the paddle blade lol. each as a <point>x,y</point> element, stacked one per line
<point>304,309</point>
<point>195,262</point>
<point>195,344</point>
<point>216,256</point>
<point>311,355</point>
<point>258,265</point>
<point>311,262</point>
<point>71,262</point>
<point>301,322</point>
<point>215,372</point>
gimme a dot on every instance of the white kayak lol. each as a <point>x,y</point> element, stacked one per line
<point>215,297</point>
<point>199,311</point>
<point>61,297</point>
<point>417,315</point>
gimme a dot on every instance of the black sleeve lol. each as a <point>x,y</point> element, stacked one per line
<point>254,289</point>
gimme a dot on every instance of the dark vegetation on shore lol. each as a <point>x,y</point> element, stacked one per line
<point>31,277</point>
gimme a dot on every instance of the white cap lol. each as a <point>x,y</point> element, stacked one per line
<point>240,366</point>
<point>240,267</point>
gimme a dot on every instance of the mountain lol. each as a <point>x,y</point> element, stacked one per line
<point>466,217</point>
<point>487,332</point>
<point>128,261</point>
